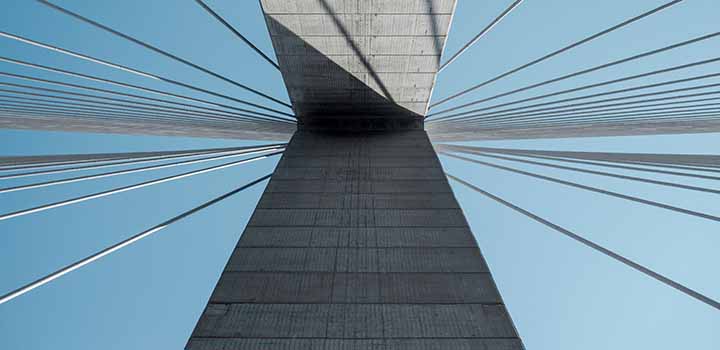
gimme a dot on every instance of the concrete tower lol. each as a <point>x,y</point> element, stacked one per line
<point>358,241</point>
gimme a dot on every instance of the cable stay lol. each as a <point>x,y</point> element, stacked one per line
<point>604,163</point>
<point>9,115</point>
<point>136,87</point>
<point>124,243</point>
<point>241,111</point>
<point>649,159</point>
<point>127,104</point>
<point>612,119</point>
<point>597,116</point>
<point>214,157</point>
<point>101,194</point>
<point>587,171</point>
<point>512,111</point>
<point>227,25</point>
<point>477,37</point>
<point>225,115</point>
<point>127,161</point>
<point>647,124</point>
<point>591,112</point>
<point>132,70</point>
<point>587,70</point>
<point>590,188</point>
<point>549,111</point>
<point>141,114</point>
<point>650,123</point>
<point>127,110</point>
<point>123,68</point>
<point>590,86</point>
<point>100,114</point>
<point>15,163</point>
<point>557,52</point>
<point>161,52</point>
<point>603,114</point>
<point>700,161</point>
<point>598,248</point>
<point>13,114</point>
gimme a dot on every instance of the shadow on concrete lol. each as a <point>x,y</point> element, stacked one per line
<point>434,27</point>
<point>325,95</point>
<point>339,25</point>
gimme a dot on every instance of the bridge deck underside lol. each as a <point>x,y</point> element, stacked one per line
<point>355,59</point>
<point>357,243</point>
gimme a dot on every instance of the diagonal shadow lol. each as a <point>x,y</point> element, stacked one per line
<point>323,92</point>
<point>434,27</point>
<point>339,25</point>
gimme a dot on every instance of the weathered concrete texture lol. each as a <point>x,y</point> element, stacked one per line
<point>359,59</point>
<point>357,344</point>
<point>357,243</point>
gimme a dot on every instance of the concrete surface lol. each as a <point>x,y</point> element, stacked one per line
<point>359,59</point>
<point>356,243</point>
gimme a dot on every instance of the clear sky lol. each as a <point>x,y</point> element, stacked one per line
<point>561,295</point>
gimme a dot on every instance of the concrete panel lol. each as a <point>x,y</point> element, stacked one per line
<point>277,237</point>
<point>255,344</point>
<point>282,259</point>
<point>355,288</point>
<point>358,217</point>
<point>355,321</point>
<point>352,64</point>
<point>264,320</point>
<point>360,174</point>
<point>425,237</point>
<point>440,288</point>
<point>414,288</point>
<point>289,200</point>
<point>430,260</point>
<point>455,344</point>
<point>259,287</point>
<point>356,344</point>
<point>362,162</point>
<point>367,187</point>
<point>447,321</point>
<point>360,259</point>
<point>386,237</point>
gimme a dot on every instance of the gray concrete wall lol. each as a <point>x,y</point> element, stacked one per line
<point>349,59</point>
<point>357,243</point>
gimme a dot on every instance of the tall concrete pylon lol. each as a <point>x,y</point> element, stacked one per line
<point>358,241</point>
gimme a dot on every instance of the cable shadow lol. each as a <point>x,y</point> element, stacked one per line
<point>434,28</point>
<point>353,45</point>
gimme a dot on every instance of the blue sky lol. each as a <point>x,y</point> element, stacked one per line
<point>561,295</point>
